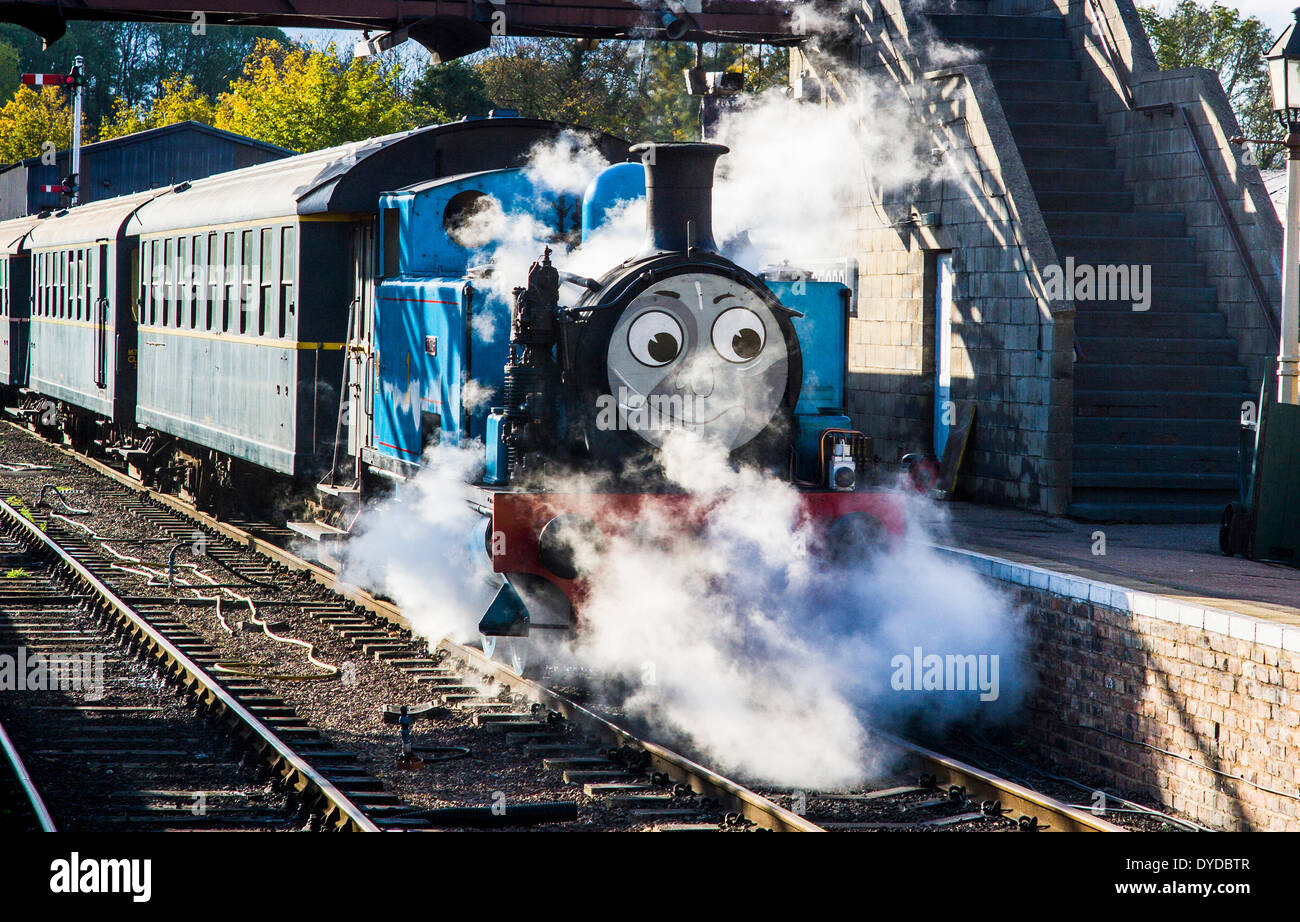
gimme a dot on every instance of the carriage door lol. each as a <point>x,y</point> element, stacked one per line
<point>360,356</point>
<point>943,414</point>
<point>97,302</point>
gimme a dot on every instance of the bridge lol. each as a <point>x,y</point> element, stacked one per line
<point>448,28</point>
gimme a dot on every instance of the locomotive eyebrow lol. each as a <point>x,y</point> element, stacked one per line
<point>729,294</point>
<point>669,294</point>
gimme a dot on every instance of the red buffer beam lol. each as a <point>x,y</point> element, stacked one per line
<point>448,27</point>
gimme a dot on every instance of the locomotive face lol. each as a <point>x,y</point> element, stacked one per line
<point>701,352</point>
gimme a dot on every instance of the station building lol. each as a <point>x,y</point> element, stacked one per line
<point>132,163</point>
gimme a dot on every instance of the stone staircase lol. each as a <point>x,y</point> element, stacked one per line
<point>1157,394</point>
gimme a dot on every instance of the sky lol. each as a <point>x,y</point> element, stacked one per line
<point>1273,13</point>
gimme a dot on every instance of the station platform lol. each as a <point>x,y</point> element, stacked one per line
<point>1178,561</point>
<point>1160,668</point>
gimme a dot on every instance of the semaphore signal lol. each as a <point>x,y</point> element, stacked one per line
<point>74,80</point>
<point>48,79</point>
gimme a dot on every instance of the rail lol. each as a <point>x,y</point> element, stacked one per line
<point>337,808</point>
<point>1051,814</point>
<point>25,781</point>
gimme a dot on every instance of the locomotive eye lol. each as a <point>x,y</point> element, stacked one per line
<point>738,335</point>
<point>655,338</point>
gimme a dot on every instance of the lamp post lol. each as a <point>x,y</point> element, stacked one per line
<point>1284,76</point>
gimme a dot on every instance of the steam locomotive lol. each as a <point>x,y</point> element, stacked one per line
<point>193,335</point>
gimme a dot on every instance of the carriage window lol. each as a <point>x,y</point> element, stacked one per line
<point>267,275</point>
<point>288,257</point>
<point>91,276</point>
<point>82,280</point>
<point>246,268</point>
<point>169,285</point>
<point>181,280</point>
<point>146,264</point>
<point>231,287</point>
<point>214,279</point>
<point>194,281</point>
<point>157,275</point>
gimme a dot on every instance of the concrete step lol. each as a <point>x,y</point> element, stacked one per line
<point>1155,513</point>
<point>1031,69</point>
<point>1217,482</point>
<point>1138,224</point>
<point>1018,48</point>
<point>1174,299</point>
<point>1025,112</point>
<point>1066,177</point>
<point>1159,321</point>
<point>1156,404</point>
<point>1158,377</point>
<point>1111,202</point>
<point>1122,248</point>
<point>1171,351</point>
<point>1145,430</point>
<point>975,25</point>
<point>1203,459</point>
<point>1036,134</point>
<point>1055,157</point>
<point>1039,91</point>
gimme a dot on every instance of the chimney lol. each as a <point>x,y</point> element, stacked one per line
<point>679,196</point>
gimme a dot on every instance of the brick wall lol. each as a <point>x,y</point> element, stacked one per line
<point>1196,707</point>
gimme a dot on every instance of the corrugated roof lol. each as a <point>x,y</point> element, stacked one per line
<point>1275,183</point>
<point>89,223</point>
<point>12,233</point>
<point>151,134</point>
<point>268,190</point>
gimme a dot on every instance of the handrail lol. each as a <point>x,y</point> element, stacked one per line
<point>1256,283</point>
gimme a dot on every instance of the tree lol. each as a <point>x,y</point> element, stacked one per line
<point>34,122</point>
<point>130,60</point>
<point>305,100</point>
<point>178,101</point>
<point>558,79</point>
<point>670,113</point>
<point>455,88</point>
<point>1219,38</point>
<point>8,67</point>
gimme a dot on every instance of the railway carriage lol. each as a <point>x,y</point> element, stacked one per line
<point>82,348</point>
<point>253,278</point>
<point>15,300</point>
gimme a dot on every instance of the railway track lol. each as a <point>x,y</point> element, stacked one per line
<point>654,786</point>
<point>106,743</point>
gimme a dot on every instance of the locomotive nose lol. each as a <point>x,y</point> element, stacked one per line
<point>698,379</point>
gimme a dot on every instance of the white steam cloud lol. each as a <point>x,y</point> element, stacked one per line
<point>742,643</point>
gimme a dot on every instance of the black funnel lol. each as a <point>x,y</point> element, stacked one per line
<point>679,196</point>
